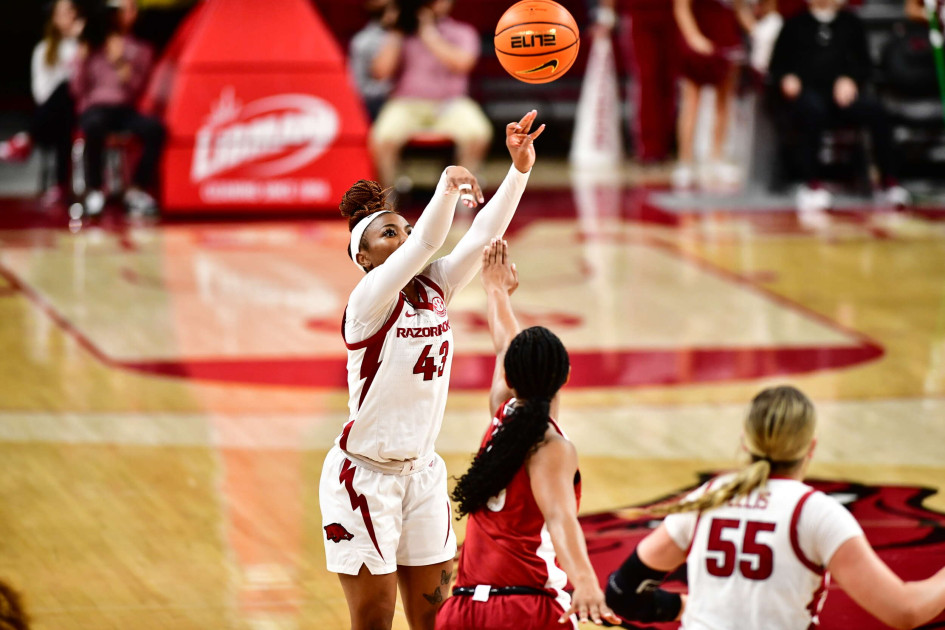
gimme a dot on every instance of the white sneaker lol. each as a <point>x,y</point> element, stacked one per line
<point>683,176</point>
<point>897,197</point>
<point>94,203</point>
<point>813,199</point>
<point>139,202</point>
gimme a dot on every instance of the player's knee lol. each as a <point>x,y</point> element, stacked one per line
<point>373,615</point>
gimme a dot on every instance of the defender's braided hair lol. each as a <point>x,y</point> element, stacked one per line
<point>536,366</point>
<point>365,197</point>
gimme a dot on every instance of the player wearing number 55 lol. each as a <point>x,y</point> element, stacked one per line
<point>383,496</point>
<point>763,546</point>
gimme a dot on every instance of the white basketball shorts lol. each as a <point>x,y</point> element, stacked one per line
<point>382,520</point>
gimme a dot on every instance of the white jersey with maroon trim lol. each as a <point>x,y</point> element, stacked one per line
<point>398,379</point>
<point>507,542</point>
<point>759,561</point>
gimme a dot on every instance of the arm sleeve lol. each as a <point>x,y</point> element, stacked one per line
<point>456,269</point>
<point>823,526</point>
<point>377,292</point>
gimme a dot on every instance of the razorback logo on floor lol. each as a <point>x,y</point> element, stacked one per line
<point>908,537</point>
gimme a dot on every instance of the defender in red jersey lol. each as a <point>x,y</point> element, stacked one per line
<point>761,546</point>
<point>523,488</point>
<point>383,495</point>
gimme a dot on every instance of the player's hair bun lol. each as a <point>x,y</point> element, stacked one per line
<point>363,198</point>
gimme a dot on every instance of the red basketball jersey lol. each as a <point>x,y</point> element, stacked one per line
<point>507,542</point>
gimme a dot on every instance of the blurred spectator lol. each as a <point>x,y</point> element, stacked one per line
<point>12,614</point>
<point>431,55</point>
<point>111,70</point>
<point>711,52</point>
<point>364,48</point>
<point>51,68</point>
<point>655,68</point>
<point>821,68</point>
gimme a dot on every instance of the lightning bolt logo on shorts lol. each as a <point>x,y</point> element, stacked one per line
<point>358,502</point>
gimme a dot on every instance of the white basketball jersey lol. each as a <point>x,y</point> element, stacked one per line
<point>759,561</point>
<point>398,380</point>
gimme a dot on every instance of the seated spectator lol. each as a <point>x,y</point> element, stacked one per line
<point>821,68</point>
<point>364,48</point>
<point>54,119</point>
<point>111,70</point>
<point>712,49</point>
<point>431,56</point>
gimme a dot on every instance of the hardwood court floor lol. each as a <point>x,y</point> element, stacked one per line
<point>168,392</point>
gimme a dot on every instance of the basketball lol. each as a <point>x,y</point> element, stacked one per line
<point>536,41</point>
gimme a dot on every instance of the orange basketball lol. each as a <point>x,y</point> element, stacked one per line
<point>537,41</point>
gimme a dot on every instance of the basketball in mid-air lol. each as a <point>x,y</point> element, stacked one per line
<point>536,41</point>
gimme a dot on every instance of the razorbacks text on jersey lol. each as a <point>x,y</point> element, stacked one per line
<point>398,379</point>
<point>759,561</point>
<point>507,543</point>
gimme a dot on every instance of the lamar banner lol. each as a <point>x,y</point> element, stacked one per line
<point>259,109</point>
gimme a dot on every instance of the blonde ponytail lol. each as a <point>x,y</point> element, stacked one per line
<point>753,476</point>
<point>779,430</point>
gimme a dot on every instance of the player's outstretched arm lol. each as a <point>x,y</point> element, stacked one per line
<point>499,279</point>
<point>882,593</point>
<point>460,265</point>
<point>379,289</point>
<point>551,471</point>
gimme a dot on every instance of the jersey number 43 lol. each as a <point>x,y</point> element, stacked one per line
<point>427,365</point>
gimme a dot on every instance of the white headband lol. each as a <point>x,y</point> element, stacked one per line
<point>358,232</point>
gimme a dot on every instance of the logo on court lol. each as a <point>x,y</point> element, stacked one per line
<point>439,306</point>
<point>336,533</point>
<point>261,133</point>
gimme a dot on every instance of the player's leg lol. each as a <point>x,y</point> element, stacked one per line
<point>427,546</point>
<point>724,95</point>
<point>371,599</point>
<point>361,517</point>
<point>423,590</point>
<point>688,112</point>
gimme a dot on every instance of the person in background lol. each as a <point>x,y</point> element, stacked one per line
<point>112,67</point>
<point>711,53</point>
<point>430,57</point>
<point>364,48</point>
<point>54,119</point>
<point>821,70</point>
<point>761,546</point>
<point>655,68</point>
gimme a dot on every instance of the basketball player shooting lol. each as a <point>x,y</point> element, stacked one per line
<point>383,495</point>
